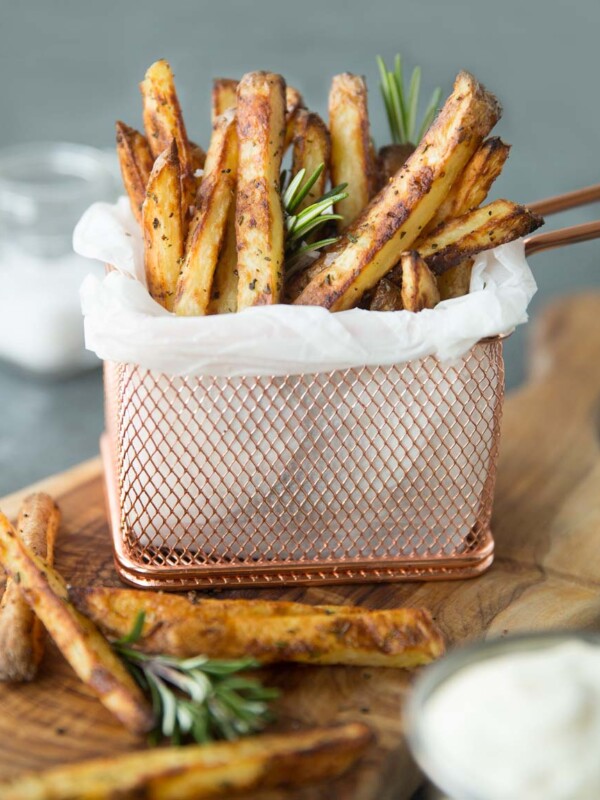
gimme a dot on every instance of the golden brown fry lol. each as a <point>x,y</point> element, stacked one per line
<point>352,158</point>
<point>312,147</point>
<point>473,185</point>
<point>394,219</point>
<point>208,227</point>
<point>83,646</point>
<point>216,770</point>
<point>387,297</point>
<point>270,631</point>
<point>163,228</point>
<point>223,295</point>
<point>486,227</point>
<point>419,287</point>
<point>21,632</point>
<point>259,215</point>
<point>293,104</point>
<point>163,122</point>
<point>456,281</point>
<point>136,161</point>
<point>389,160</point>
<point>223,96</point>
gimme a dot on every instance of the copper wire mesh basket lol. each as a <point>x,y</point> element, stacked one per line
<point>372,473</point>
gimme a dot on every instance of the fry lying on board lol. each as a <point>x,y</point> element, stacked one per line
<point>83,646</point>
<point>221,770</point>
<point>403,637</point>
<point>21,632</point>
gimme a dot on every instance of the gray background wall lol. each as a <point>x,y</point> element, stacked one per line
<point>71,67</point>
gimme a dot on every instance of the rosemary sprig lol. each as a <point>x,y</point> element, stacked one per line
<point>198,698</point>
<point>402,107</point>
<point>301,223</point>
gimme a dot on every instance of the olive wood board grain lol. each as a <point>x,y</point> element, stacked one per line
<point>546,575</point>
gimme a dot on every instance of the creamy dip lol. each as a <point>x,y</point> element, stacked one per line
<point>521,726</point>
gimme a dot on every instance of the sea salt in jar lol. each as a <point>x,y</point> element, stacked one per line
<point>44,189</point>
<point>512,718</point>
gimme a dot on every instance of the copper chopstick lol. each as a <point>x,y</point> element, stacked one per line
<point>562,237</point>
<point>562,202</point>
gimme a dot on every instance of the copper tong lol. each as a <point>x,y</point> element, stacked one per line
<point>563,236</point>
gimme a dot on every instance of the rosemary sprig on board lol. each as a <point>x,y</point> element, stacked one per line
<point>311,218</point>
<point>402,106</point>
<point>198,698</point>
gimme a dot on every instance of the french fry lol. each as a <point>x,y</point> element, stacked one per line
<point>223,295</point>
<point>21,632</point>
<point>352,158</point>
<point>312,147</point>
<point>387,297</point>
<point>136,161</point>
<point>270,632</point>
<point>80,642</point>
<point>163,123</point>
<point>163,228</point>
<point>259,215</point>
<point>223,96</point>
<point>419,287</point>
<point>390,159</point>
<point>293,104</point>
<point>486,227</point>
<point>217,770</point>
<point>456,281</point>
<point>395,218</point>
<point>215,198</point>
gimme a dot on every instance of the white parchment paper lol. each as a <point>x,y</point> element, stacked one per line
<point>123,323</point>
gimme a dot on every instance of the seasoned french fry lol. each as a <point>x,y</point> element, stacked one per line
<point>218,770</point>
<point>223,295</point>
<point>352,158</point>
<point>83,646</point>
<point>163,228</point>
<point>208,227</point>
<point>21,632</point>
<point>473,185</point>
<point>389,160</point>
<point>136,161</point>
<point>394,219</point>
<point>259,215</point>
<point>293,104</point>
<point>223,96</point>
<point>486,227</point>
<point>456,281</point>
<point>163,123</point>
<point>387,297</point>
<point>268,631</point>
<point>312,147</point>
<point>419,287</point>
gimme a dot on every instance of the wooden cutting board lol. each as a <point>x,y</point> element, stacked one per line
<point>546,575</point>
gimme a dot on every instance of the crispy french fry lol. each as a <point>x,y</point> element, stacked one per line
<point>163,122</point>
<point>394,219</point>
<point>215,198</point>
<point>223,295</point>
<point>312,147</point>
<point>389,160</point>
<point>419,287</point>
<point>163,228</point>
<point>21,632</point>
<point>456,281</point>
<point>83,646</point>
<point>387,297</point>
<point>352,159</point>
<point>473,185</point>
<point>136,161</point>
<point>293,104</point>
<point>219,770</point>
<point>486,227</point>
<point>223,96</point>
<point>259,215</point>
<point>268,631</point>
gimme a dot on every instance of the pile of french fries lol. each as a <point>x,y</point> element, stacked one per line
<point>406,230</point>
<point>83,622</point>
